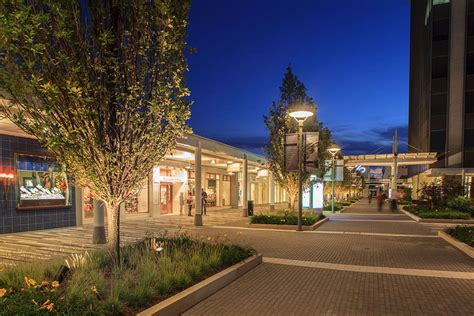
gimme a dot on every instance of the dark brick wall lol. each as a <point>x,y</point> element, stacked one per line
<point>13,220</point>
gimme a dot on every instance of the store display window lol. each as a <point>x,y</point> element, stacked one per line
<point>41,183</point>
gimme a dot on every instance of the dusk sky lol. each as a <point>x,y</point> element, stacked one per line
<point>353,57</point>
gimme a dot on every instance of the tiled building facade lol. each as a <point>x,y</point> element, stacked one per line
<point>13,219</point>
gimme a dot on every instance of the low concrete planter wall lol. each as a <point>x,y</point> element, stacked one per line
<point>290,227</point>
<point>468,250</point>
<point>438,220</point>
<point>181,302</point>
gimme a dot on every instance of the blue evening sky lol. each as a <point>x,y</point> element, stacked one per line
<point>352,55</point>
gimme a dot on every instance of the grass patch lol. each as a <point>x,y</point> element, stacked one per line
<point>462,233</point>
<point>309,218</point>
<point>151,270</point>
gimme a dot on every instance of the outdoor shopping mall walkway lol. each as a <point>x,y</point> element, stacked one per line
<point>359,263</point>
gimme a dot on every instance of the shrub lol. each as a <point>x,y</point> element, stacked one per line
<point>462,233</point>
<point>337,207</point>
<point>462,204</point>
<point>444,214</point>
<point>309,218</point>
<point>152,269</point>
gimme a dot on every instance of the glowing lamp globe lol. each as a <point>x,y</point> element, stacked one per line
<point>334,149</point>
<point>301,112</point>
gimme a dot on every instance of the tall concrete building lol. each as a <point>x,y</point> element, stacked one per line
<point>441,114</point>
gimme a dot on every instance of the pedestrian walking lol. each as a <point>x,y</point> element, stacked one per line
<point>204,201</point>
<point>189,201</point>
<point>380,200</point>
<point>370,197</point>
<point>394,201</point>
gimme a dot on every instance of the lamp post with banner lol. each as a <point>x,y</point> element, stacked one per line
<point>333,150</point>
<point>300,113</point>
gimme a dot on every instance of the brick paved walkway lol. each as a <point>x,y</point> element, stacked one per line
<point>359,263</point>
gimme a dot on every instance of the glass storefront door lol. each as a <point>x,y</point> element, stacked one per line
<point>166,198</point>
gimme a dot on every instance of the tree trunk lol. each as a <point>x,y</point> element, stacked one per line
<point>113,230</point>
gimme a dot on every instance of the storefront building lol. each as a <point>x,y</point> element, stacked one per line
<point>167,188</point>
<point>35,195</point>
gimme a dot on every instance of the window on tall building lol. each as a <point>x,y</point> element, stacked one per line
<point>438,122</point>
<point>470,64</point>
<point>469,102</point>
<point>438,104</point>
<point>441,30</point>
<point>469,138</point>
<point>439,67</point>
<point>438,141</point>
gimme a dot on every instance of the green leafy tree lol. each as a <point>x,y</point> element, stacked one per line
<point>100,84</point>
<point>278,123</point>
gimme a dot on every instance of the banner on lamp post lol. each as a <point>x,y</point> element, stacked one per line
<point>291,152</point>
<point>311,140</point>
<point>339,175</point>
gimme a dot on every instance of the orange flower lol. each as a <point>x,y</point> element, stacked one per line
<point>30,282</point>
<point>55,284</point>
<point>94,290</point>
<point>209,238</point>
<point>3,292</point>
<point>47,305</point>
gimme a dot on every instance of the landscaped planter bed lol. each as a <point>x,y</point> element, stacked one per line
<point>437,216</point>
<point>151,271</point>
<point>287,222</point>
<point>461,237</point>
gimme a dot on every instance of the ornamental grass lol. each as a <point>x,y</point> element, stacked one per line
<point>151,270</point>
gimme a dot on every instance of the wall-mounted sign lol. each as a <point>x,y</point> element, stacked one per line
<point>262,173</point>
<point>233,167</point>
<point>177,176</point>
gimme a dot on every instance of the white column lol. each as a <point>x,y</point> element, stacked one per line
<point>272,191</point>
<point>98,235</point>
<point>198,183</point>
<point>245,186</point>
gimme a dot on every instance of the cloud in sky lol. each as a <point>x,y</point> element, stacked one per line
<point>375,140</point>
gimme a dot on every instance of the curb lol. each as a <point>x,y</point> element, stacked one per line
<point>290,227</point>
<point>414,217</point>
<point>181,302</point>
<point>438,220</point>
<point>468,250</point>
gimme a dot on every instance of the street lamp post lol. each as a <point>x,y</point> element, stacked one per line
<point>300,114</point>
<point>333,150</point>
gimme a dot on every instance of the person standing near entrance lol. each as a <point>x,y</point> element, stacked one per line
<point>204,201</point>
<point>394,201</point>
<point>189,201</point>
<point>370,197</point>
<point>181,203</point>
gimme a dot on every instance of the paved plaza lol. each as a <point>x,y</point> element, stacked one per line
<point>361,262</point>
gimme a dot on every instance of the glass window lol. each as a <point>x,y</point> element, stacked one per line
<point>441,30</point>
<point>439,67</point>
<point>469,138</point>
<point>438,104</point>
<point>470,64</point>
<point>438,141</point>
<point>438,122</point>
<point>40,182</point>
<point>469,102</point>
